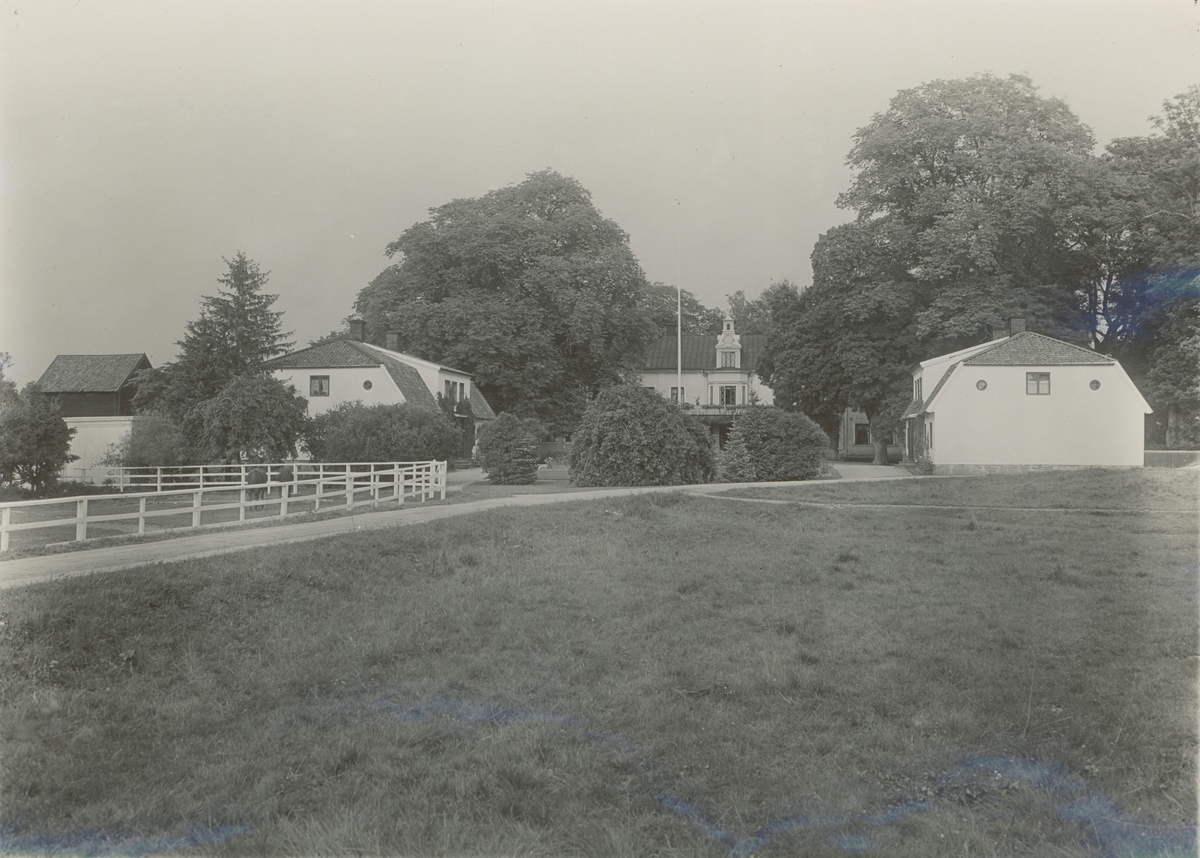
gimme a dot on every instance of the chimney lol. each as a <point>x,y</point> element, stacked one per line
<point>393,341</point>
<point>1016,326</point>
<point>358,330</point>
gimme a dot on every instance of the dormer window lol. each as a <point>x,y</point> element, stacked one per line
<point>729,347</point>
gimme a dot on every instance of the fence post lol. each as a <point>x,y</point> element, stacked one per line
<point>443,468</point>
<point>158,471</point>
<point>141,515</point>
<point>283,497</point>
<point>242,505</point>
<point>81,520</point>
<point>5,521</point>
<point>199,493</point>
<point>349,487</point>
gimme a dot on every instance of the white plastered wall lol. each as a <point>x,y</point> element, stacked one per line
<point>345,385</point>
<point>696,384</point>
<point>92,438</point>
<point>1004,425</point>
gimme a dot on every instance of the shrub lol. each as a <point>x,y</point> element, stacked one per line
<point>780,445</point>
<point>35,442</point>
<point>353,432</point>
<point>508,451</point>
<point>631,436</point>
<point>153,442</point>
<point>251,419</point>
<point>736,466</point>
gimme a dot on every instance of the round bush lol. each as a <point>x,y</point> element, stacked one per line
<point>381,433</point>
<point>779,445</point>
<point>508,451</point>
<point>631,436</point>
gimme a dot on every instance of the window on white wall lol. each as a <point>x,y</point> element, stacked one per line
<point>728,359</point>
<point>1037,383</point>
<point>862,434</point>
<point>318,385</point>
<point>727,394</point>
<point>677,394</point>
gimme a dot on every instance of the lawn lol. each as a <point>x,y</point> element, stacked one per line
<point>657,675</point>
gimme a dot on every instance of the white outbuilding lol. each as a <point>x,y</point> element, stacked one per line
<point>1024,400</point>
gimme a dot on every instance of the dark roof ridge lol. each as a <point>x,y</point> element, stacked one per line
<point>1029,348</point>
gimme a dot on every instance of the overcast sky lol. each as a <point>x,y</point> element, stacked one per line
<point>141,142</point>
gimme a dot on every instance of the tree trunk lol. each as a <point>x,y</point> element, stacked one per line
<point>1172,427</point>
<point>881,451</point>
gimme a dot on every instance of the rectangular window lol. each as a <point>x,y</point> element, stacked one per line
<point>318,385</point>
<point>928,436</point>
<point>916,388</point>
<point>862,434</point>
<point>677,394</point>
<point>727,394</point>
<point>728,359</point>
<point>1037,383</point>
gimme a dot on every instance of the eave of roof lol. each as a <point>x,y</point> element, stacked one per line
<point>928,405</point>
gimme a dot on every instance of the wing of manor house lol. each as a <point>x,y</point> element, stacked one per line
<point>95,395</point>
<point>350,370</point>
<point>1024,400</point>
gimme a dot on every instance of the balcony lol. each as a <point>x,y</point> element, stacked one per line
<point>713,410</point>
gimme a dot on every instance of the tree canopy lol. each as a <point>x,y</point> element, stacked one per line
<point>529,288</point>
<point>35,442</point>
<point>978,201</point>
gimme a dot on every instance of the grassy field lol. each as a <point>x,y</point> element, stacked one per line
<point>659,675</point>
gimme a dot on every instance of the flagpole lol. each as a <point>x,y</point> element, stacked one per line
<point>678,316</point>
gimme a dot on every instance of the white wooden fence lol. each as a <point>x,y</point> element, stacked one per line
<point>312,487</point>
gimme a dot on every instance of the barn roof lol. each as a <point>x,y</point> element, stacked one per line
<point>1030,349</point>
<point>91,373</point>
<point>700,352</point>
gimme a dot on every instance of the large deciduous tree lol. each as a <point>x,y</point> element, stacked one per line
<point>963,195</point>
<point>529,288</point>
<point>1145,297</point>
<point>663,308</point>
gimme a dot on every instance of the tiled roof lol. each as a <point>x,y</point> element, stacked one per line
<point>913,409</point>
<point>480,408</point>
<point>90,373</point>
<point>331,355</point>
<point>700,352</point>
<point>340,354</point>
<point>1030,349</point>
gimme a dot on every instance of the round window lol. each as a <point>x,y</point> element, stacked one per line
<point>1095,385</point>
<point>367,384</point>
<point>981,385</point>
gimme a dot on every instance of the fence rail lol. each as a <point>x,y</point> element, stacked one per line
<point>213,499</point>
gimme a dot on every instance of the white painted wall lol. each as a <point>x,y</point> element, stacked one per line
<point>345,385</point>
<point>93,436</point>
<point>697,384</point>
<point>1003,425</point>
